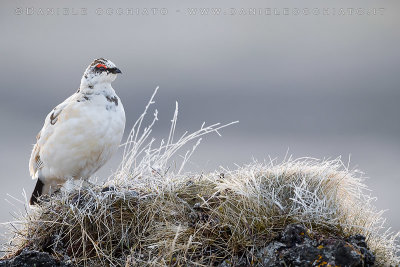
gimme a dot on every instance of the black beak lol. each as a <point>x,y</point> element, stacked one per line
<point>114,70</point>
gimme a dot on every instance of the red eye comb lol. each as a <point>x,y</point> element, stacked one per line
<point>101,65</point>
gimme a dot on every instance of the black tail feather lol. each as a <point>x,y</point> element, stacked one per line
<point>37,192</point>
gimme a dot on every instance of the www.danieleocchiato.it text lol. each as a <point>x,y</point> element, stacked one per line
<point>152,11</point>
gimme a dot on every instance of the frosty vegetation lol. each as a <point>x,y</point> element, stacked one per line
<point>151,212</point>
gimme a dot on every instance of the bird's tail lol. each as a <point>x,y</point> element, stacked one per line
<point>37,192</point>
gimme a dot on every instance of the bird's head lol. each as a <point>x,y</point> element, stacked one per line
<point>100,70</point>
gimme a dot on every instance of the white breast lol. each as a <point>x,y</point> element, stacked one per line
<point>87,133</point>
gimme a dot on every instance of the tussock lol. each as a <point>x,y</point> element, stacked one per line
<point>149,213</point>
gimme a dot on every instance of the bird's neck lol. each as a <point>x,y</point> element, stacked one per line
<point>97,88</point>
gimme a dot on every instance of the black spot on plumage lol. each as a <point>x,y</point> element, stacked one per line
<point>91,86</point>
<point>85,98</point>
<point>53,118</point>
<point>112,99</point>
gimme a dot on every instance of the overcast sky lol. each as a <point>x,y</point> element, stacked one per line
<point>318,78</point>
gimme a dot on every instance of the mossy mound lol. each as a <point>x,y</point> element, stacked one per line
<point>197,220</point>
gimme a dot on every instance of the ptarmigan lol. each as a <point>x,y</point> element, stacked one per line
<point>80,134</point>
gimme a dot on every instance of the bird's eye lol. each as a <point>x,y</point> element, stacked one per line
<point>101,67</point>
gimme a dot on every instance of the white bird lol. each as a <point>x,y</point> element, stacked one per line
<point>81,134</point>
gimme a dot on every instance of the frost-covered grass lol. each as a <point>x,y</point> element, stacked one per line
<point>153,213</point>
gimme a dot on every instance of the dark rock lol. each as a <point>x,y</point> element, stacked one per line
<point>295,247</point>
<point>31,258</point>
<point>359,240</point>
<point>293,234</point>
<point>267,255</point>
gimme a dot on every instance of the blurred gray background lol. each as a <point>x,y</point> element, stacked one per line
<point>316,85</point>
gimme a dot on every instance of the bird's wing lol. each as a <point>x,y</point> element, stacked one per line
<point>50,123</point>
